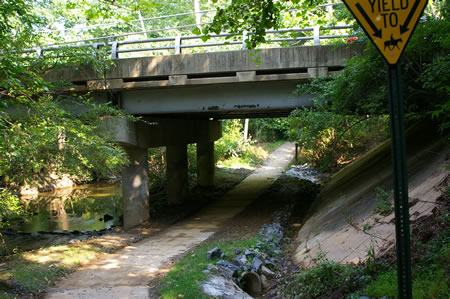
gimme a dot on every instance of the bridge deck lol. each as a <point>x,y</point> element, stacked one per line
<point>220,84</point>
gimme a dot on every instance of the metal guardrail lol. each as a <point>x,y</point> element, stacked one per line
<point>177,41</point>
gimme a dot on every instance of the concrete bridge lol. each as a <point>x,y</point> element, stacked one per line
<point>182,97</point>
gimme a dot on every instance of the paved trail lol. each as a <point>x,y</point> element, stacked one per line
<point>126,274</point>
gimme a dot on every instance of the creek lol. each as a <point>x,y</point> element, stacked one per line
<point>94,207</point>
<point>90,207</point>
<point>305,172</point>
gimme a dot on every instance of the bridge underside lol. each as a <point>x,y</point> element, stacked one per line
<point>222,101</point>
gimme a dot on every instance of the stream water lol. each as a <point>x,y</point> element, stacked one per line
<point>93,207</point>
<point>90,207</point>
<point>304,172</point>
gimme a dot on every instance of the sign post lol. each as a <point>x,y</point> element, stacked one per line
<point>389,24</point>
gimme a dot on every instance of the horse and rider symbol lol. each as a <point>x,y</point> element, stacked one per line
<point>392,43</point>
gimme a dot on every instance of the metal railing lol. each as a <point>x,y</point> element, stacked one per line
<point>176,43</point>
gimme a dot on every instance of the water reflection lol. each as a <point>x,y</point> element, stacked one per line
<point>84,208</point>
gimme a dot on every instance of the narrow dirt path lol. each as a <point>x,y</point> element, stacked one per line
<point>126,274</point>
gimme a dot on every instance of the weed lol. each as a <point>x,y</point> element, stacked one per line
<point>366,227</point>
<point>321,256</point>
<point>384,205</point>
<point>325,279</point>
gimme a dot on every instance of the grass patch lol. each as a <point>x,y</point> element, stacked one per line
<point>430,273</point>
<point>34,277</point>
<point>33,271</point>
<point>183,279</point>
<point>272,146</point>
<point>433,285</point>
<point>5,296</point>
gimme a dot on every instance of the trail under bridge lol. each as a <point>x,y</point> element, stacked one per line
<point>126,274</point>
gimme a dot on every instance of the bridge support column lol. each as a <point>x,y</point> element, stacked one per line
<point>177,173</point>
<point>135,192</point>
<point>206,164</point>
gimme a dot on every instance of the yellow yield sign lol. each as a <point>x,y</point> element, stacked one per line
<point>388,23</point>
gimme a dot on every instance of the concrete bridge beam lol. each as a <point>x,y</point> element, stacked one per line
<point>162,132</point>
<point>177,173</point>
<point>135,191</point>
<point>206,164</point>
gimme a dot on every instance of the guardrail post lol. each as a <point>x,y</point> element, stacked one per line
<point>96,46</point>
<point>114,54</point>
<point>316,35</point>
<point>244,37</point>
<point>38,52</point>
<point>177,45</point>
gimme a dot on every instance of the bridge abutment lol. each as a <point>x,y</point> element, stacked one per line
<point>135,191</point>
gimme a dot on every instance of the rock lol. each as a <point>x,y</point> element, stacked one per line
<point>220,287</point>
<point>212,267</point>
<point>215,253</point>
<point>26,192</point>
<point>385,297</point>
<point>364,297</point>
<point>256,264</point>
<point>83,238</point>
<point>249,252</point>
<point>271,233</point>
<point>267,272</point>
<point>251,284</point>
<point>270,263</point>
<point>230,268</point>
<point>241,261</point>
<point>237,251</point>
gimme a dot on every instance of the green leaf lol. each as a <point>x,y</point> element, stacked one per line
<point>205,38</point>
<point>196,31</point>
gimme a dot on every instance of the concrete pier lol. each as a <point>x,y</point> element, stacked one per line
<point>136,208</point>
<point>175,134</point>
<point>177,173</point>
<point>206,164</point>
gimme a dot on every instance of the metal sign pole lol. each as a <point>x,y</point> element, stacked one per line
<point>400,175</point>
